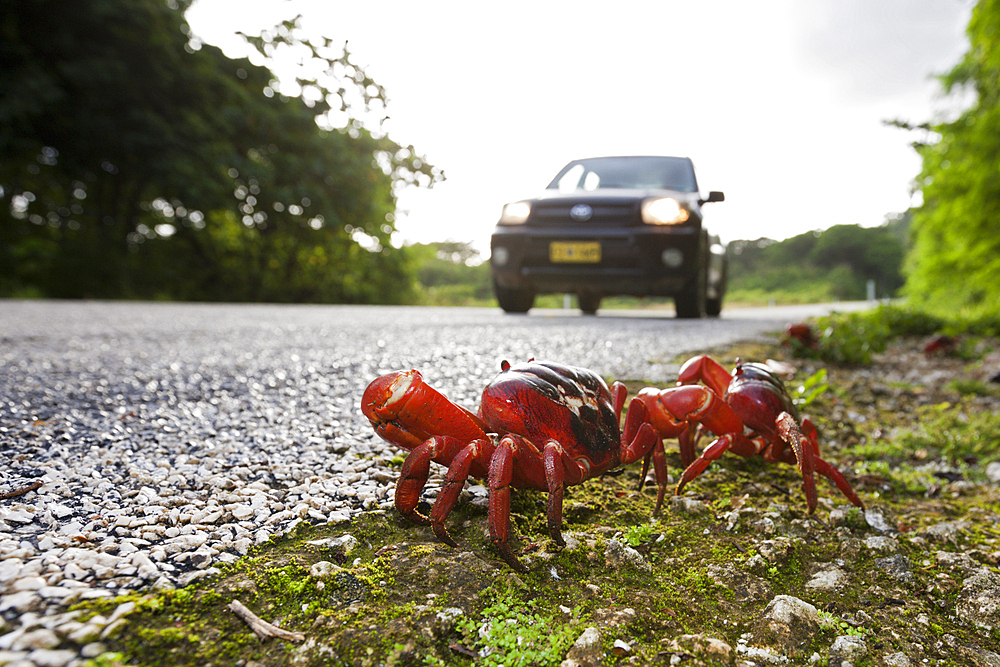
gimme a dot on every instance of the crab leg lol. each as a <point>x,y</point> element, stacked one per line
<point>560,470</point>
<point>454,482</point>
<point>835,476</point>
<point>500,475</point>
<point>556,468</point>
<point>789,432</point>
<point>824,468</point>
<point>737,442</point>
<point>416,469</point>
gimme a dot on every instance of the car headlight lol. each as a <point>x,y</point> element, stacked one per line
<point>516,213</point>
<point>665,211</point>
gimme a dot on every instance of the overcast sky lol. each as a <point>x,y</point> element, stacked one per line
<point>779,103</point>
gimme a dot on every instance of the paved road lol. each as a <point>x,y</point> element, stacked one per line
<point>351,343</point>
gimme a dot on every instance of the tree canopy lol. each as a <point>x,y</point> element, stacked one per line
<point>955,261</point>
<point>835,263</point>
<point>136,162</point>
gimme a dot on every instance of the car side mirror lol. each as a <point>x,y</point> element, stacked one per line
<point>714,195</point>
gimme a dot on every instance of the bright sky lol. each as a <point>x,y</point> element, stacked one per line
<point>779,103</point>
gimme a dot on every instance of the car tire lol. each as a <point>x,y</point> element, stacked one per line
<point>690,302</point>
<point>514,300</point>
<point>589,303</point>
<point>713,306</point>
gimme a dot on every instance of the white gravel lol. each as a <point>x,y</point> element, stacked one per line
<point>164,439</point>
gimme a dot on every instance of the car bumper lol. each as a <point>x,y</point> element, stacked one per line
<point>635,261</point>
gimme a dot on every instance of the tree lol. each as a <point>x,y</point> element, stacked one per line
<point>135,162</point>
<point>955,259</point>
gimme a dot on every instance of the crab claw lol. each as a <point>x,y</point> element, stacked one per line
<point>406,412</point>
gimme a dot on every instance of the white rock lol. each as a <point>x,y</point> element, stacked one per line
<point>74,571</point>
<point>85,634</point>
<point>17,517</point>
<point>93,649</point>
<point>55,592</point>
<point>993,472</point>
<point>60,511</point>
<point>10,568</point>
<point>34,639</point>
<point>827,579</point>
<point>27,584</point>
<point>14,658</point>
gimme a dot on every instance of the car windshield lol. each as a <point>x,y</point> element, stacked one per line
<point>634,173</point>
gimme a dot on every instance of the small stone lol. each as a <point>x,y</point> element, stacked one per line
<point>897,567</point>
<point>586,650</point>
<point>9,569</point>
<point>788,624</point>
<point>28,584</point>
<point>828,578</point>
<point>93,649</point>
<point>979,599</point>
<point>993,472</point>
<point>51,658</point>
<point>617,555</point>
<point>85,634</point>
<point>34,639</point>
<point>897,660</point>
<point>689,506</point>
<point>882,543</point>
<point>708,650</point>
<point>847,649</point>
<point>882,520</point>
<point>946,531</point>
<point>324,568</point>
<point>621,648</point>
<point>19,602</point>
<point>18,517</point>
<point>344,544</point>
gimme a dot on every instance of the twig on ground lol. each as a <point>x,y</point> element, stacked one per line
<point>23,490</point>
<point>262,628</point>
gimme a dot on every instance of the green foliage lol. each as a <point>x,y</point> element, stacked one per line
<point>835,264</point>
<point>956,432</point>
<point>512,632</point>
<point>138,163</point>
<point>955,260</point>
<point>642,533</point>
<point>840,626</point>
<point>450,273</point>
<point>811,388</point>
<point>852,338</point>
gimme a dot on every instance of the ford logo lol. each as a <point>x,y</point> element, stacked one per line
<point>581,212</point>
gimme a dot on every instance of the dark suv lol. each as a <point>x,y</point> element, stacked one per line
<point>608,226</point>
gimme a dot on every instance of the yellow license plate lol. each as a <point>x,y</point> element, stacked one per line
<point>589,252</point>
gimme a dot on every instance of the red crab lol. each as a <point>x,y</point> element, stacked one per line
<point>752,414</point>
<point>540,426</point>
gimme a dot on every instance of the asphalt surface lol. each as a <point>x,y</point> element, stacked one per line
<point>70,350</point>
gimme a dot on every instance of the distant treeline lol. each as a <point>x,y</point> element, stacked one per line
<point>835,264</point>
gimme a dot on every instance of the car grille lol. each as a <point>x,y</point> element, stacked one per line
<point>557,213</point>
